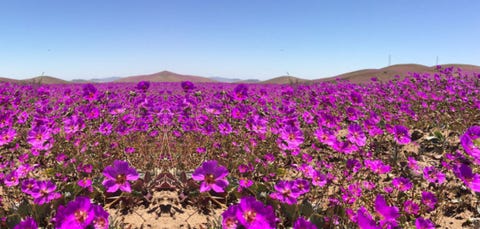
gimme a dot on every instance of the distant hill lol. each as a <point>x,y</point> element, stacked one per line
<point>225,80</point>
<point>284,80</point>
<point>36,80</point>
<point>361,76</point>
<point>105,80</point>
<point>249,81</point>
<point>45,80</point>
<point>80,81</point>
<point>165,76</point>
<point>389,73</point>
<point>4,79</point>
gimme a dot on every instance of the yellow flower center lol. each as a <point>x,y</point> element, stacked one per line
<point>250,216</point>
<point>120,179</point>
<point>80,215</point>
<point>210,179</point>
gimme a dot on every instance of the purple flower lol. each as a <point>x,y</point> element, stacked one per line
<point>413,165</point>
<point>89,92</point>
<point>431,174</point>
<point>285,192</point>
<point>86,183</point>
<point>105,128</point>
<point>244,183</point>
<point>401,183</point>
<point>302,223</point>
<point>28,223</point>
<point>38,136</point>
<point>356,135</point>
<point>81,213</point>
<point>77,214</point>
<point>11,179</point>
<point>429,200</point>
<point>411,207</point>
<point>319,179</point>
<point>471,142</point>
<point>356,98</point>
<point>254,214</point>
<point>365,220</point>
<point>44,192</point>
<point>301,186</point>
<point>118,175</point>
<point>325,136</point>
<point>401,135</point>
<point>465,173</point>
<point>229,218</point>
<point>291,137</point>
<point>377,166</point>
<point>353,165</point>
<point>240,92</point>
<point>212,176</point>
<point>187,86</point>
<point>7,136</point>
<point>225,128</point>
<point>388,214</point>
<point>100,219</point>
<point>28,185</point>
<point>345,147</point>
<point>143,85</point>
<point>249,213</point>
<point>422,223</point>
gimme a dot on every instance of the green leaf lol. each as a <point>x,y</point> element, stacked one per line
<point>317,220</point>
<point>281,172</point>
<point>439,135</point>
<point>290,211</point>
<point>306,208</point>
<point>476,142</point>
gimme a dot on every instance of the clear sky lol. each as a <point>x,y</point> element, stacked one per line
<point>238,38</point>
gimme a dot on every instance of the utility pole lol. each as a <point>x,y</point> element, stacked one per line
<point>436,61</point>
<point>389,59</point>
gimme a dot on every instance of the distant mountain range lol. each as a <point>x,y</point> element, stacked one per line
<point>360,76</point>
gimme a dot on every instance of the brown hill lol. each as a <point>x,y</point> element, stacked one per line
<point>36,80</point>
<point>45,80</point>
<point>4,79</point>
<point>389,73</point>
<point>165,76</point>
<point>284,80</point>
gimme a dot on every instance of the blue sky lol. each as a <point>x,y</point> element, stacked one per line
<point>243,39</point>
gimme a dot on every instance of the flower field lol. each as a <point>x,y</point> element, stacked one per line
<point>397,154</point>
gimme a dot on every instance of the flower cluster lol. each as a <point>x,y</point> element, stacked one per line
<point>249,213</point>
<point>81,213</point>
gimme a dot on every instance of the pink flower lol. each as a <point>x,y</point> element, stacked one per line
<point>118,175</point>
<point>28,223</point>
<point>302,223</point>
<point>44,192</point>
<point>212,176</point>
<point>401,135</point>
<point>285,192</point>
<point>411,207</point>
<point>249,213</point>
<point>7,136</point>
<point>465,173</point>
<point>431,174</point>
<point>356,135</point>
<point>429,200</point>
<point>81,213</point>
<point>402,183</point>
<point>422,223</point>
<point>471,142</point>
